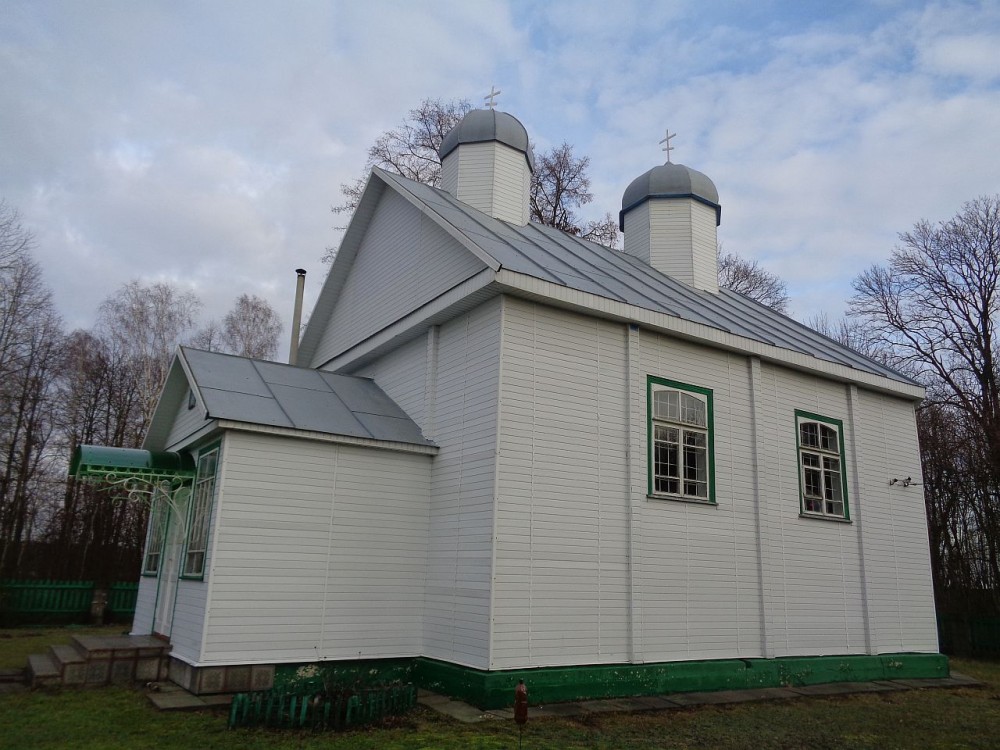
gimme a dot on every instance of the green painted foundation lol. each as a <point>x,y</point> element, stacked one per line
<point>338,675</point>
<point>495,689</point>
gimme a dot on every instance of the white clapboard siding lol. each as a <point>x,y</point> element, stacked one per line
<point>459,553</point>
<point>404,261</point>
<point>560,580</point>
<point>142,622</point>
<point>320,553</point>
<point>897,558</point>
<point>186,421</point>
<point>189,618</point>
<point>813,565</point>
<point>402,374</point>
<point>696,579</point>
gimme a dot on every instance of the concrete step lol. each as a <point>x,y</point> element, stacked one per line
<point>43,671</point>
<point>119,647</point>
<point>71,664</point>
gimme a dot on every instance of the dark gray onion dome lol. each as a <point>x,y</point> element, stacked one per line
<point>484,125</point>
<point>670,181</point>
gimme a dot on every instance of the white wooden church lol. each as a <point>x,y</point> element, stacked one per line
<point>505,452</point>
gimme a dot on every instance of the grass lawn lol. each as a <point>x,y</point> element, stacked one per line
<point>121,718</point>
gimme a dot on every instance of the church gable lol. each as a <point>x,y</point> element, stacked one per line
<point>404,260</point>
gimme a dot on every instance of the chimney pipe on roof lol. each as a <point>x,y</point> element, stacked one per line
<point>300,285</point>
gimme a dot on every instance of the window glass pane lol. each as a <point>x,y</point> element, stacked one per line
<point>829,440</point>
<point>831,485</point>
<point>666,405</point>
<point>667,484</point>
<point>696,489</point>
<point>695,439</point>
<point>695,463</point>
<point>835,508</point>
<point>693,410</point>
<point>812,482</point>
<point>668,434</point>
<point>809,434</point>
<point>813,505</point>
<point>199,515</point>
<point>665,456</point>
<point>810,459</point>
<point>155,534</point>
<point>831,464</point>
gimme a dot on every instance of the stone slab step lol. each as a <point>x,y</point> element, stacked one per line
<point>170,697</point>
<point>42,670</point>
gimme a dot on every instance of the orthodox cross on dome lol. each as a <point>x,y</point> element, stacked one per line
<point>491,97</point>
<point>668,148</point>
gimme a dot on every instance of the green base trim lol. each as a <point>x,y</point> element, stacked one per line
<point>338,675</point>
<point>486,690</point>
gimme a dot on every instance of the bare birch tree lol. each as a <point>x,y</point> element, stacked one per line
<point>251,328</point>
<point>142,325</point>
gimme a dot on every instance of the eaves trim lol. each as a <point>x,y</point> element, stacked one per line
<point>523,284</point>
<point>324,437</point>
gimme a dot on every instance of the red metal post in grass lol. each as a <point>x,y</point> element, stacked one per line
<point>520,709</point>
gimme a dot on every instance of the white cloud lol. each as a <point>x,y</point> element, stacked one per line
<point>205,143</point>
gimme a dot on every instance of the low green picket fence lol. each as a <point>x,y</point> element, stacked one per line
<point>319,711</point>
<point>65,601</point>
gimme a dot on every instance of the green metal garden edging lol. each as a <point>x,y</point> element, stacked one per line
<point>320,711</point>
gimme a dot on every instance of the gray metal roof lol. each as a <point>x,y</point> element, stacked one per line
<point>483,125</point>
<point>552,255</point>
<point>268,393</point>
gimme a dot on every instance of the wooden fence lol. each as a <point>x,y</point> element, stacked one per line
<point>62,601</point>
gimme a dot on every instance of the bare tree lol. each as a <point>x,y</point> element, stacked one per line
<point>410,150</point>
<point>143,324</point>
<point>30,337</point>
<point>209,337</point>
<point>750,279</point>
<point>935,305</point>
<point>559,186</point>
<point>251,328</point>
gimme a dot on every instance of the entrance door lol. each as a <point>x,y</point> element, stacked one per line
<point>173,548</point>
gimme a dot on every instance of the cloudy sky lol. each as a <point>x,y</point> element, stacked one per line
<point>203,142</point>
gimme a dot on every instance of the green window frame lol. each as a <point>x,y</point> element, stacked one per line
<point>822,466</point>
<point>681,441</point>
<point>199,516</point>
<point>156,533</point>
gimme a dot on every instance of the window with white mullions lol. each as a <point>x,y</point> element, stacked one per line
<point>680,433</point>
<point>199,515</point>
<point>156,532</point>
<point>821,465</point>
